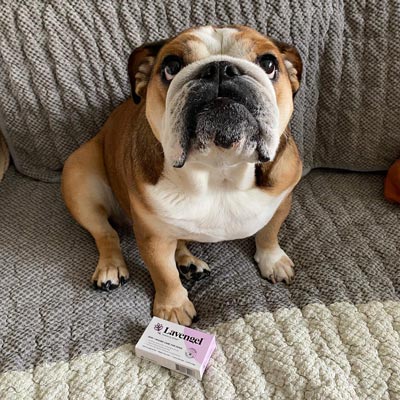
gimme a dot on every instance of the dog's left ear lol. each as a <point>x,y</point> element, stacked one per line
<point>293,64</point>
<point>140,65</point>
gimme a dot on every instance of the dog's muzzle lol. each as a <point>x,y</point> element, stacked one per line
<point>222,103</point>
<point>224,117</point>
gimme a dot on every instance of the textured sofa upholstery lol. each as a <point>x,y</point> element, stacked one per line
<point>63,69</point>
<point>333,334</point>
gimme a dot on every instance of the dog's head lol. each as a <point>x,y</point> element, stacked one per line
<point>217,94</point>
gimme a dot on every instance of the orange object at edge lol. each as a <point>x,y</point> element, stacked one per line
<point>392,183</point>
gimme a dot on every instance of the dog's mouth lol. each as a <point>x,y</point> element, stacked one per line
<point>225,123</point>
<point>226,117</point>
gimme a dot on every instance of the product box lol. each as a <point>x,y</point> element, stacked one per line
<point>176,347</point>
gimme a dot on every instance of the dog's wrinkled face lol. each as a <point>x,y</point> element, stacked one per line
<point>217,94</point>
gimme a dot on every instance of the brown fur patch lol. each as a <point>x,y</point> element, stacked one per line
<point>133,156</point>
<point>284,171</point>
<point>256,44</point>
<point>259,44</point>
<point>182,46</point>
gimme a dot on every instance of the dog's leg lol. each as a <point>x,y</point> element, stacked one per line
<point>272,261</point>
<point>171,301</point>
<point>90,200</point>
<point>188,265</point>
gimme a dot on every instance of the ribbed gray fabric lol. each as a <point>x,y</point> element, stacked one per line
<point>63,69</point>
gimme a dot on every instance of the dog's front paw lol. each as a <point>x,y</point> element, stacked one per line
<point>275,265</point>
<point>175,308</point>
<point>192,267</point>
<point>110,274</point>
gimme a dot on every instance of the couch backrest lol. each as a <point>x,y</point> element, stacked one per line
<point>63,69</point>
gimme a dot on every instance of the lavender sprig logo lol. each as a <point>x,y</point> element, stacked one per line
<point>158,327</point>
<point>190,353</point>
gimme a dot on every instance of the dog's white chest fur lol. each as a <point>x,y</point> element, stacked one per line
<point>211,205</point>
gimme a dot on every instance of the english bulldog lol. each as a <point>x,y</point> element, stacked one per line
<point>201,152</point>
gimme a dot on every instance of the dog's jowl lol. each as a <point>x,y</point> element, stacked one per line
<point>200,152</point>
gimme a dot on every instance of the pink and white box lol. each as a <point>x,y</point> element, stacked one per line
<point>176,347</point>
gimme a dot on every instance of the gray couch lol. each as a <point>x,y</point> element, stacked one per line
<point>333,334</point>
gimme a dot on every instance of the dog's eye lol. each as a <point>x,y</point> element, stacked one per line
<point>268,63</point>
<point>170,67</point>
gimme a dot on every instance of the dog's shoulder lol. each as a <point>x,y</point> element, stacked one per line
<point>130,145</point>
<point>133,157</point>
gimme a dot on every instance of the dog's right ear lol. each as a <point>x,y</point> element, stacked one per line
<point>140,65</point>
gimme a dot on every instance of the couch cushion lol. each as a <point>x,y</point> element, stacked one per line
<point>63,69</point>
<point>341,234</point>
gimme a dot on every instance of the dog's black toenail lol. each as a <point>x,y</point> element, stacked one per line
<point>106,286</point>
<point>122,280</point>
<point>206,272</point>
<point>198,275</point>
<point>195,319</point>
<point>192,268</point>
<point>183,268</point>
<point>113,286</point>
<point>95,287</point>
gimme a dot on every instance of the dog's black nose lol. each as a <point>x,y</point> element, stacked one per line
<point>219,70</point>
